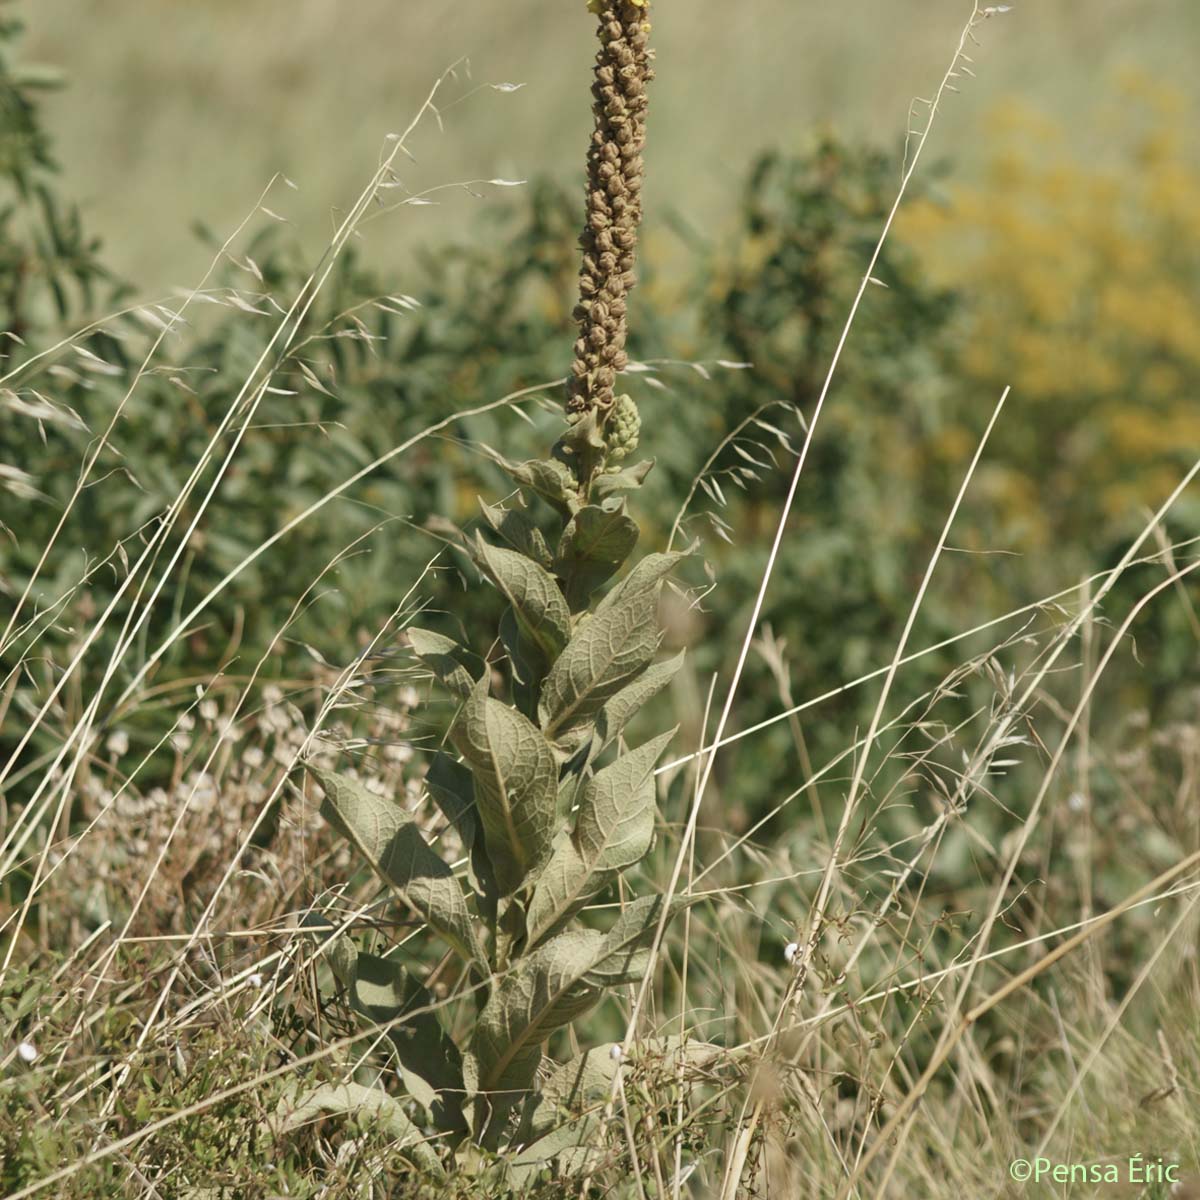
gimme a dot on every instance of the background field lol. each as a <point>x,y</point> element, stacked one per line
<point>190,109</point>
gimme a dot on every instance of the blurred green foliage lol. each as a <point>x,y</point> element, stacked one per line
<point>369,368</point>
<point>47,263</point>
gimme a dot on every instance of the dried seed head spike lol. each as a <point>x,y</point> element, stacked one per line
<point>614,204</point>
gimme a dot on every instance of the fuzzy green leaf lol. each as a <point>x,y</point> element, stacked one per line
<point>617,713</point>
<point>625,954</point>
<point>538,604</point>
<point>338,949</point>
<point>613,830</point>
<point>527,663</point>
<point>452,788</point>
<point>454,667</point>
<point>430,1061</point>
<point>549,478</point>
<point>567,1092</point>
<point>626,480</point>
<point>543,992</point>
<point>392,843</point>
<point>519,532</point>
<point>298,1107</point>
<point>585,1082</point>
<point>649,572</point>
<point>608,652</point>
<point>610,649</point>
<point>516,785</point>
<point>582,445</point>
<point>596,541</point>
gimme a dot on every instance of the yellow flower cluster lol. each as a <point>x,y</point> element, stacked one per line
<point>1080,276</point>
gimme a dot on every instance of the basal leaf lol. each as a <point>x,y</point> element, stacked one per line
<point>567,1092</point>
<point>613,830</point>
<point>338,949</point>
<point>454,667</point>
<point>299,1106</point>
<point>516,785</point>
<point>392,843</point>
<point>430,1062</point>
<point>580,1087</point>
<point>596,541</point>
<point>542,992</point>
<point>537,602</point>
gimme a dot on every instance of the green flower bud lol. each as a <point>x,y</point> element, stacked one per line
<point>624,426</point>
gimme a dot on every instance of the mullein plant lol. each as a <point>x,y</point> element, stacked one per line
<point>550,804</point>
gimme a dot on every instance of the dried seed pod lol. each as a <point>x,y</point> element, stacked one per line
<point>614,207</point>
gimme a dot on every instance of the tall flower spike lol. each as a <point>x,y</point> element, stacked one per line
<point>614,203</point>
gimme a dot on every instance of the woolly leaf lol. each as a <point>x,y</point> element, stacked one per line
<point>613,829</point>
<point>336,949</point>
<point>596,541</point>
<point>617,713</point>
<point>625,480</point>
<point>516,785</point>
<point>549,478</point>
<point>583,445</point>
<point>625,954</point>
<point>609,650</point>
<point>645,577</point>
<point>454,667</point>
<point>430,1062</point>
<point>584,1083</point>
<point>538,604</point>
<point>527,663</point>
<point>452,788</point>
<point>567,1091</point>
<point>543,992</point>
<point>298,1107</point>
<point>391,842</point>
<point>519,532</point>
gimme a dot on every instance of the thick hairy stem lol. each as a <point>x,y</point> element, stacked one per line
<point>614,203</point>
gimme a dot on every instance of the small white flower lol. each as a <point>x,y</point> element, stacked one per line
<point>1076,802</point>
<point>790,951</point>
<point>616,1053</point>
<point>252,757</point>
<point>27,1052</point>
<point>209,709</point>
<point>118,743</point>
<point>255,980</point>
